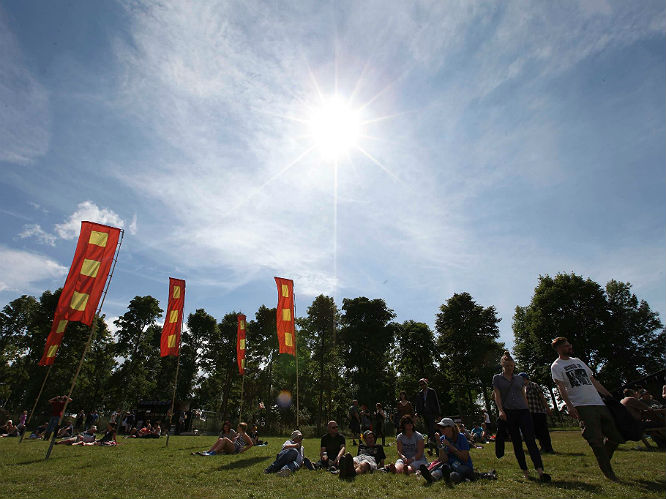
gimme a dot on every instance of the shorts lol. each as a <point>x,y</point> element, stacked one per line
<point>366,459</point>
<point>415,465</point>
<point>237,447</point>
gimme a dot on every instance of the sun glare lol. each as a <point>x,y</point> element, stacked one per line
<point>335,127</point>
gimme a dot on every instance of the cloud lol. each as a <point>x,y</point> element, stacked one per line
<point>20,269</point>
<point>35,230</point>
<point>89,211</point>
<point>24,104</point>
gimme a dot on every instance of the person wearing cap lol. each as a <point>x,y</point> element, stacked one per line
<point>290,458</point>
<point>370,456</point>
<point>427,406</point>
<point>454,463</point>
<point>538,410</point>
<point>509,392</point>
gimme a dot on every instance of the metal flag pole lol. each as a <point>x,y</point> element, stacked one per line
<point>240,413</point>
<point>175,381</point>
<point>93,328</point>
<point>296,355</point>
<point>25,426</point>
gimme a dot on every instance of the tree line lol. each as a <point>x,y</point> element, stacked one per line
<point>355,351</point>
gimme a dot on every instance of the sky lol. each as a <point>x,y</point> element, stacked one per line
<point>483,144</point>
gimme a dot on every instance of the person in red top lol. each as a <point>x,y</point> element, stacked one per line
<point>57,406</point>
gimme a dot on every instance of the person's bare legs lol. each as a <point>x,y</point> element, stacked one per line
<point>223,444</point>
<point>400,467</point>
<point>364,467</point>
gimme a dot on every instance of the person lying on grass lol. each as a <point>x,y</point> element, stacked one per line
<point>66,431</point>
<point>109,437</point>
<point>410,446</point>
<point>241,443</point>
<point>87,436</point>
<point>370,456</point>
<point>290,458</point>
<point>39,431</point>
<point>454,463</point>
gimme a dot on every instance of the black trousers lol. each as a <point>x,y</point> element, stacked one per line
<point>541,431</point>
<point>517,421</point>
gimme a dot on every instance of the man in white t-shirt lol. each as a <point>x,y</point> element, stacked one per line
<point>580,391</point>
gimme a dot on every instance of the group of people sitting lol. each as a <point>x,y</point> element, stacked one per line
<point>89,437</point>
<point>147,431</point>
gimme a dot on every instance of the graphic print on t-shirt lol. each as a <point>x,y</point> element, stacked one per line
<point>577,375</point>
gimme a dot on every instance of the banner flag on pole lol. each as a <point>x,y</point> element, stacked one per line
<point>240,344</point>
<point>170,344</point>
<point>285,316</point>
<point>85,283</point>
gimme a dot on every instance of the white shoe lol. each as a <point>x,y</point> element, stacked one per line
<point>284,472</point>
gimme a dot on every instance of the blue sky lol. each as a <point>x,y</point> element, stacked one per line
<point>500,141</point>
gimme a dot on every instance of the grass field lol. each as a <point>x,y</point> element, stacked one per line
<point>145,468</point>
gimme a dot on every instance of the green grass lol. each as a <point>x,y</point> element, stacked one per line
<point>145,468</point>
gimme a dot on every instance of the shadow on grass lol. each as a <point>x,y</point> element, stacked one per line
<point>655,486</point>
<point>243,463</point>
<point>574,485</point>
<point>35,461</point>
<point>567,454</point>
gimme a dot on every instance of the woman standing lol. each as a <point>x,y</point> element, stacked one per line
<point>404,408</point>
<point>511,400</point>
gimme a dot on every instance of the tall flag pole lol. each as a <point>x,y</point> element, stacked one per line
<point>87,283</point>
<point>173,326</point>
<point>286,331</point>
<point>240,356</point>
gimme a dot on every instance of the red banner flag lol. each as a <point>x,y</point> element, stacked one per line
<point>170,344</point>
<point>240,344</point>
<point>285,316</point>
<point>85,283</point>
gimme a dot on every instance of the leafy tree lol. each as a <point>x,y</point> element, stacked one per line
<point>635,338</point>
<point>469,350</point>
<point>367,337</point>
<point>319,332</point>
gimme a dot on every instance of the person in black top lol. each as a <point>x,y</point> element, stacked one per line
<point>332,447</point>
<point>427,406</point>
<point>370,457</point>
<point>380,417</point>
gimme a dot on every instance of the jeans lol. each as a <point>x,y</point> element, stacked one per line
<point>286,457</point>
<point>53,426</point>
<point>517,421</point>
<point>541,431</point>
<point>458,472</point>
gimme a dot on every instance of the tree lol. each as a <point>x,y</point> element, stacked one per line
<point>566,305</point>
<point>415,355</point>
<point>367,337</point>
<point>469,350</point>
<point>137,333</point>
<point>319,332</point>
<point>634,338</point>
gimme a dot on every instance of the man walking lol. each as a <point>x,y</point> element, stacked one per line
<point>538,410</point>
<point>427,406</point>
<point>580,392</point>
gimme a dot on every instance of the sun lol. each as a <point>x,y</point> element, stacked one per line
<point>335,127</point>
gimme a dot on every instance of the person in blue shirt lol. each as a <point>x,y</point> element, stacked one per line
<point>454,463</point>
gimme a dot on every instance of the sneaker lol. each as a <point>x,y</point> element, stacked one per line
<point>545,478</point>
<point>425,473</point>
<point>284,472</point>
<point>446,474</point>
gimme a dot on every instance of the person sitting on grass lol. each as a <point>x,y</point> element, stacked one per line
<point>109,437</point>
<point>227,431</point>
<point>290,458</point>
<point>454,463</point>
<point>241,443</point>
<point>9,430</point>
<point>87,436</point>
<point>39,431</point>
<point>66,431</point>
<point>410,445</point>
<point>332,448</point>
<point>478,435</point>
<point>370,457</point>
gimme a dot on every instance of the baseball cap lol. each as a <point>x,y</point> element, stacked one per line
<point>446,422</point>
<point>296,434</point>
<point>524,375</point>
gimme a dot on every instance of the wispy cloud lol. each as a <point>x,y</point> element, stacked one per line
<point>21,270</point>
<point>24,104</point>
<point>35,230</point>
